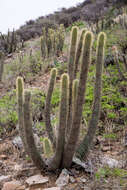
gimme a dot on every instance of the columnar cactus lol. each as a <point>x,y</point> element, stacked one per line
<point>65,144</point>
<point>84,147</point>
<point>78,52</point>
<point>116,59</point>
<point>27,125</point>
<point>48,107</point>
<point>44,51</point>
<point>74,133</point>
<point>57,159</point>
<point>74,94</point>
<point>71,65</point>
<point>47,147</point>
<point>1,65</point>
<point>54,41</point>
<point>9,41</point>
<point>20,92</point>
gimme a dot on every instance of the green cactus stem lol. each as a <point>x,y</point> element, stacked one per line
<point>74,94</point>
<point>71,62</point>
<point>1,65</point>
<point>49,128</point>
<point>74,134</point>
<point>43,48</point>
<point>20,94</point>
<point>56,161</point>
<point>47,147</point>
<point>78,52</point>
<point>32,150</point>
<point>121,75</point>
<point>84,147</point>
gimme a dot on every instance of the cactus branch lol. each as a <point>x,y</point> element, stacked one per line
<point>73,138</point>
<point>32,150</point>
<point>20,94</point>
<point>56,162</point>
<point>122,77</point>
<point>49,128</point>
<point>78,52</point>
<point>71,75</point>
<point>84,147</point>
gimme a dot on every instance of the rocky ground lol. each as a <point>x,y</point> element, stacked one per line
<point>18,172</point>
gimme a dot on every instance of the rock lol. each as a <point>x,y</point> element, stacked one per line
<point>106,148</point>
<point>83,180</point>
<point>72,179</point>
<point>17,141</point>
<point>3,157</point>
<point>4,179</point>
<point>53,188</point>
<point>18,167</point>
<point>63,178</point>
<point>110,162</point>
<point>87,188</point>
<point>37,140</point>
<point>36,180</point>
<point>12,185</point>
<point>27,171</point>
<point>88,167</point>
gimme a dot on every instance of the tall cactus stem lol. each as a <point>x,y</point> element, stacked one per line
<point>20,94</point>
<point>74,94</point>
<point>73,43</point>
<point>74,134</point>
<point>115,52</point>
<point>78,52</point>
<point>1,65</point>
<point>84,147</point>
<point>57,159</point>
<point>32,150</point>
<point>49,128</point>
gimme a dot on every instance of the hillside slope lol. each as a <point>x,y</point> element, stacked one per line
<point>89,10</point>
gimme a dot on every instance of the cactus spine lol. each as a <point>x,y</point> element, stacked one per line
<point>84,147</point>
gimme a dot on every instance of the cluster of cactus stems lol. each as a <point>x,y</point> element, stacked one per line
<point>122,74</point>
<point>1,65</point>
<point>123,20</point>
<point>71,106</point>
<point>9,41</point>
<point>52,42</point>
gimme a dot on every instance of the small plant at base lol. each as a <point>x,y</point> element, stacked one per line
<point>47,147</point>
